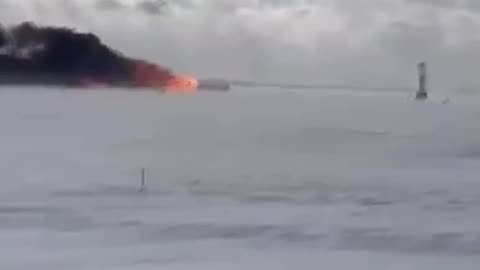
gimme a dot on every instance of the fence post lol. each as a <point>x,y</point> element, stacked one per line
<point>422,81</point>
<point>143,180</point>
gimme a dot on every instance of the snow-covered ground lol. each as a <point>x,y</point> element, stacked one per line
<point>246,180</point>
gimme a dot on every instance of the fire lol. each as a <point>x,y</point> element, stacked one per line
<point>152,76</point>
<point>182,84</point>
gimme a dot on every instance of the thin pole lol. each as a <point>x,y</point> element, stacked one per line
<point>422,81</point>
<point>143,180</point>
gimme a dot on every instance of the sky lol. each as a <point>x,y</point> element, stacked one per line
<point>367,43</point>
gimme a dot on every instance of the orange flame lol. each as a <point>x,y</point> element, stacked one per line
<point>181,84</point>
<point>150,75</point>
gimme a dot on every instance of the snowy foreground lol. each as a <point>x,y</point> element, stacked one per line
<point>244,180</point>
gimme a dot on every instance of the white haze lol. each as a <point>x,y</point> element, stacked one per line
<point>254,178</point>
<point>375,43</point>
<point>245,180</point>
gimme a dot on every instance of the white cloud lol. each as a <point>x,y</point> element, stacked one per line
<point>350,41</point>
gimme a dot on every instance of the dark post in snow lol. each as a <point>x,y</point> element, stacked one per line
<point>422,81</point>
<point>143,180</point>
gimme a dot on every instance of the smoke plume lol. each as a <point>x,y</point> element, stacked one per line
<point>33,54</point>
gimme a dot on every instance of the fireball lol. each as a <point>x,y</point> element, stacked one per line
<point>152,76</point>
<point>181,84</point>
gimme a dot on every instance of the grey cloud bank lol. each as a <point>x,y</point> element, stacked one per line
<point>376,42</point>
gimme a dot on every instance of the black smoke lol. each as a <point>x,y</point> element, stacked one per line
<point>32,54</point>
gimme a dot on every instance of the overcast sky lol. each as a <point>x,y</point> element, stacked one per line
<point>368,42</point>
